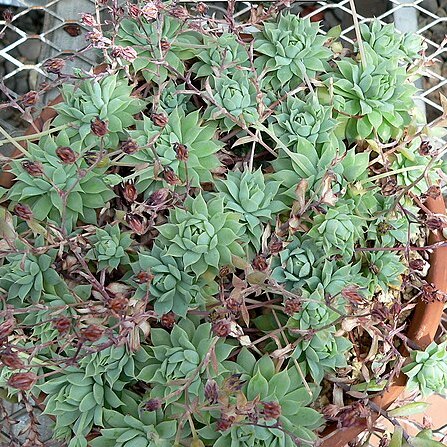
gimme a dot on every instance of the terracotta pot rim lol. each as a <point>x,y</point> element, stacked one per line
<point>424,321</point>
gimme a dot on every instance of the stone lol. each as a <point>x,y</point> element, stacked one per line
<point>30,50</point>
<point>430,5</point>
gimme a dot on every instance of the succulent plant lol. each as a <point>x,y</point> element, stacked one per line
<point>387,43</point>
<point>384,270</point>
<point>428,370</point>
<point>303,118</point>
<point>263,382</point>
<point>29,275</point>
<point>84,190</point>
<point>109,247</point>
<point>78,396</point>
<point>136,427</point>
<point>221,54</point>
<point>183,354</point>
<point>170,287</point>
<point>171,99</point>
<point>108,99</point>
<point>234,94</point>
<point>158,151</point>
<point>177,45</point>
<point>204,235</point>
<point>248,194</point>
<point>338,230</point>
<point>374,98</point>
<point>290,49</point>
<point>322,353</point>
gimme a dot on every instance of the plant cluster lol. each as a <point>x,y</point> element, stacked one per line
<point>203,241</point>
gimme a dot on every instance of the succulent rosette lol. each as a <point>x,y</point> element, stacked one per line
<point>204,235</point>
<point>427,371</point>
<point>289,50</point>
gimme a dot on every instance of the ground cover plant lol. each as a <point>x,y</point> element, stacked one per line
<point>217,240</point>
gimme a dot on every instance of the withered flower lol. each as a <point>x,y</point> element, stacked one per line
<point>433,192</point>
<point>352,294</point>
<point>158,197</point>
<point>55,65</point>
<point>137,223</point>
<point>436,222</point>
<point>62,324</point>
<point>29,99</point>
<point>159,119</point>
<point>389,186</point>
<point>430,294</point>
<point>260,263</point>
<point>165,45</point>
<point>129,146</point>
<point>233,383</point>
<point>222,327</point>
<point>92,332</point>
<point>170,176</point>
<point>144,277</point>
<point>179,12</point>
<point>275,245</point>
<point>181,151</point>
<point>271,410</point>
<point>23,211</point>
<point>292,305</point>
<point>88,20</point>
<point>201,8</point>
<point>211,391</point>
<point>97,39</point>
<point>425,148</point>
<point>7,327</point>
<point>11,359</point>
<point>118,304</point>
<point>168,320</point>
<point>7,16</point>
<point>126,53</point>
<point>150,10</point>
<point>224,423</point>
<point>99,127</point>
<point>417,264</point>
<point>66,154</point>
<point>34,168</point>
<point>152,404</point>
<point>22,381</point>
<point>130,192</point>
<point>133,10</point>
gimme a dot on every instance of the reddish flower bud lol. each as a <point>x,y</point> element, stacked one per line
<point>271,410</point>
<point>7,16</point>
<point>88,20</point>
<point>99,127</point>
<point>170,176</point>
<point>260,263</point>
<point>165,46</point>
<point>144,277</point>
<point>224,423</point>
<point>389,186</point>
<point>433,192</point>
<point>211,391</point>
<point>11,359</point>
<point>7,327</point>
<point>181,151</point>
<point>150,10</point>
<point>417,264</point>
<point>436,222</point>
<point>22,381</point>
<point>134,11</point>
<point>179,12</point>
<point>118,304</point>
<point>62,324</point>
<point>201,8</point>
<point>130,192</point>
<point>66,155</point>
<point>152,404</point>
<point>292,306</point>
<point>92,332</point>
<point>97,39</point>
<point>222,328</point>
<point>275,245</point>
<point>384,228</point>
<point>137,223</point>
<point>168,320</point>
<point>129,146</point>
<point>425,148</point>
<point>233,383</point>
<point>159,119</point>
<point>33,168</point>
<point>54,66</point>
<point>126,53</point>
<point>330,411</point>
<point>351,293</point>
<point>430,294</point>
<point>158,197</point>
<point>29,99</point>
<point>23,211</point>
<point>224,271</point>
